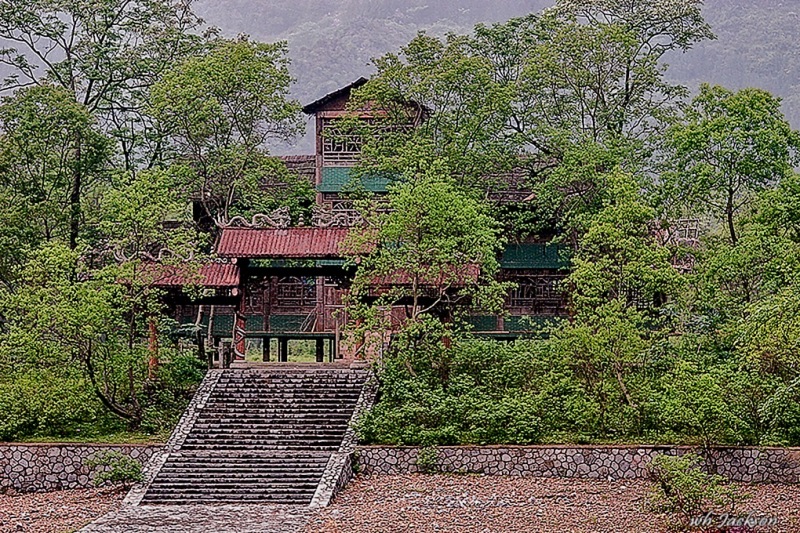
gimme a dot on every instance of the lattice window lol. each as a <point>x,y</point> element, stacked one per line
<point>338,148</point>
<point>537,294</point>
<point>294,292</point>
<point>254,299</point>
<point>344,149</point>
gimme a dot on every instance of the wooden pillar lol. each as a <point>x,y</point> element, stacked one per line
<point>336,337</point>
<point>320,350</point>
<point>152,366</point>
<point>265,349</point>
<point>239,336</point>
<point>283,349</point>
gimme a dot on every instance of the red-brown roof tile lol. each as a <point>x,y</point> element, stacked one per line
<point>454,276</point>
<point>209,275</point>
<point>291,243</point>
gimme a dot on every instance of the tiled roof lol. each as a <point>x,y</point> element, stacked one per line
<point>291,243</point>
<point>209,275</point>
<point>454,276</point>
<point>535,256</point>
<point>336,179</point>
<point>313,107</point>
<point>303,165</point>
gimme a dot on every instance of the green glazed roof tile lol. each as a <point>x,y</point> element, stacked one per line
<point>544,256</point>
<point>335,179</point>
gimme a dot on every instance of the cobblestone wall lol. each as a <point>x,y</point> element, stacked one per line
<point>46,467</point>
<point>757,465</point>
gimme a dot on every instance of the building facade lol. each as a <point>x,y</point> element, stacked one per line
<point>277,282</point>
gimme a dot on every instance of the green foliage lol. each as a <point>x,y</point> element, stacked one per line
<point>51,156</point>
<point>729,146</point>
<point>219,110</point>
<point>551,87</point>
<point>427,459</point>
<point>67,339</point>
<point>431,395</point>
<point>115,468</point>
<point>684,489</point>
<point>434,250</point>
<point>105,54</point>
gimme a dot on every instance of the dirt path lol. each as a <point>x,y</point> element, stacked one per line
<point>55,512</point>
<point>389,504</point>
<point>467,504</point>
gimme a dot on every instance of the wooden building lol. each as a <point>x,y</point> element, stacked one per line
<point>279,282</point>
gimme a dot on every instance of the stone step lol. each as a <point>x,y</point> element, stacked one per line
<point>224,473</point>
<point>274,411</point>
<point>261,396</point>
<point>289,406</point>
<point>300,392</point>
<point>291,379</point>
<point>279,496</point>
<point>276,446</point>
<point>258,455</point>
<point>218,485</point>
<point>242,490</point>
<point>272,388</point>
<point>275,384</point>
<point>256,441</point>
<point>306,402</point>
<point>258,421</point>
<point>245,462</point>
<point>267,434</point>
<point>270,429</point>
<point>263,435</point>
<point>300,424</point>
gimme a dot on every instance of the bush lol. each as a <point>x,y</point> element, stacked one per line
<point>685,490</point>
<point>41,403</point>
<point>472,393</point>
<point>115,468</point>
<point>427,459</point>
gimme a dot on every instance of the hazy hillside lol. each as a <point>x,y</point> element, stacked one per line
<point>332,41</point>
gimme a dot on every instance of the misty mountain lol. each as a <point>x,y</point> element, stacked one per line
<point>332,41</point>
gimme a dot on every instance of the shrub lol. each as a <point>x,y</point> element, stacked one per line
<point>427,458</point>
<point>115,468</point>
<point>685,490</point>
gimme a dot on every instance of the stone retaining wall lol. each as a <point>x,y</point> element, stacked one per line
<point>46,467</point>
<point>756,465</point>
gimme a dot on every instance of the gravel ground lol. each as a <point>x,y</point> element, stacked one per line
<point>55,512</point>
<point>463,504</point>
<point>515,504</point>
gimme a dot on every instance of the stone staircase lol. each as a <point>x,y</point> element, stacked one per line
<point>262,435</point>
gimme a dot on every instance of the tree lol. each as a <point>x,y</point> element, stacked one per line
<point>432,247</point>
<point>51,156</point>
<point>105,53</point>
<point>618,258</point>
<point>219,111</point>
<point>580,85</point>
<point>94,325</point>
<point>729,146</point>
<point>620,277</point>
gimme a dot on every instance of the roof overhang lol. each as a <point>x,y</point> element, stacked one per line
<point>290,243</point>
<point>316,105</point>
<point>210,275</point>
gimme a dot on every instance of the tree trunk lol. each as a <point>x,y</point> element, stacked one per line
<point>152,365</point>
<point>729,215</point>
<point>75,196</point>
